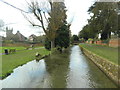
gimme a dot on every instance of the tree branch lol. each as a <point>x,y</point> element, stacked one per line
<point>36,25</point>
<point>42,23</point>
<point>38,14</point>
<point>46,17</point>
<point>33,24</point>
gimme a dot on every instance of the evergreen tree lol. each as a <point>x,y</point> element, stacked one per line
<point>104,21</point>
<point>63,37</point>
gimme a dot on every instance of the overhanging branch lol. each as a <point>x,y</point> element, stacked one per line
<point>33,24</point>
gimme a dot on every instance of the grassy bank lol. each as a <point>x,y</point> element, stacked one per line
<point>17,48</point>
<point>11,61</point>
<point>104,51</point>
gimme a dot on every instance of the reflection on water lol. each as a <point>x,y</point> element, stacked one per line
<point>29,75</point>
<point>84,74</point>
<point>58,68</point>
<point>70,69</point>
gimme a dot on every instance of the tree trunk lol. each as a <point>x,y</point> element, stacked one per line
<point>109,35</point>
<point>52,45</point>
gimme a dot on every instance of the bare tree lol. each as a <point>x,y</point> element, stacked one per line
<point>53,15</point>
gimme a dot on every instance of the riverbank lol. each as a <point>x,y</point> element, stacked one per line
<point>107,66</point>
<point>106,52</point>
<point>11,61</point>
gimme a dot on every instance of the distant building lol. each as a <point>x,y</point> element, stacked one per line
<point>15,37</point>
<point>9,34</point>
<point>37,39</point>
<point>19,37</point>
<point>32,37</point>
<point>2,38</point>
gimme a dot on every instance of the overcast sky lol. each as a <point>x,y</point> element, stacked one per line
<point>76,8</point>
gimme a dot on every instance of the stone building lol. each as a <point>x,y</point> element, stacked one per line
<point>9,34</point>
<point>2,38</point>
<point>15,37</point>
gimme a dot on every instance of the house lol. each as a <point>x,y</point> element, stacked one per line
<point>19,37</point>
<point>32,37</point>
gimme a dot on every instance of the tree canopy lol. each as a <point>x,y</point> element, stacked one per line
<point>104,21</point>
<point>74,38</point>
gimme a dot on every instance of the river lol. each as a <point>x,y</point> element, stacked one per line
<point>71,69</point>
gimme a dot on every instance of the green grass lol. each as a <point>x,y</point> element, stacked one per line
<point>11,61</point>
<point>17,48</point>
<point>104,51</point>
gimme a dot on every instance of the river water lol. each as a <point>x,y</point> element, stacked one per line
<point>71,69</point>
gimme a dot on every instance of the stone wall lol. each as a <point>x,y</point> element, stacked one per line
<point>109,68</point>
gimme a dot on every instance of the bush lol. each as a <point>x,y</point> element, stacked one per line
<point>90,39</point>
<point>8,41</point>
<point>47,44</point>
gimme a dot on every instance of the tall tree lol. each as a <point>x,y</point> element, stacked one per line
<point>104,17</point>
<point>53,15</point>
<point>56,20</point>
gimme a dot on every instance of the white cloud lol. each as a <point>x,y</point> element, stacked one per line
<point>12,15</point>
<point>76,8</point>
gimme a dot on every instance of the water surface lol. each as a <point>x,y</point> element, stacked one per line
<point>71,69</point>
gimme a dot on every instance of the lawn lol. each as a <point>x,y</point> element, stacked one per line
<point>17,48</point>
<point>11,61</point>
<point>104,51</point>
